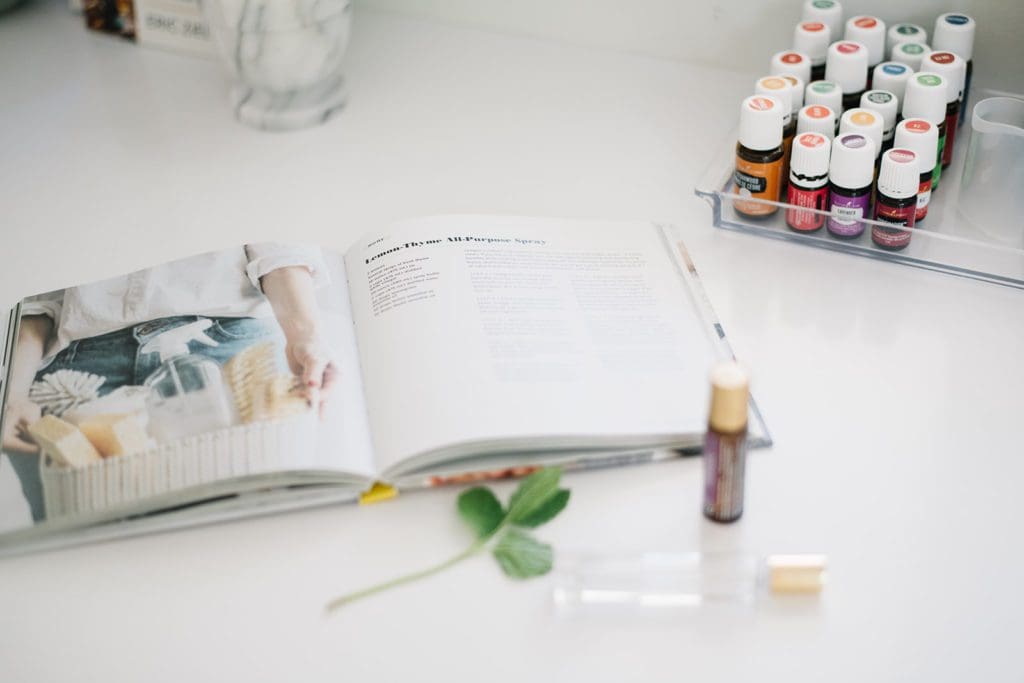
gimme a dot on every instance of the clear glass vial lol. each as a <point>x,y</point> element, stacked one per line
<point>658,581</point>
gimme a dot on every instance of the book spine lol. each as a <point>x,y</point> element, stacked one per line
<point>8,335</point>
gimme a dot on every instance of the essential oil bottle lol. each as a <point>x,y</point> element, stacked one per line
<point>926,99</point>
<point>869,32</point>
<point>781,89</point>
<point>827,93</point>
<point>910,54</point>
<point>893,77</point>
<point>828,12</point>
<point>884,104</point>
<point>954,32</point>
<point>954,69</point>
<point>816,118</point>
<point>812,38</point>
<point>904,33</point>
<point>725,443</point>
<point>921,138</point>
<point>759,155</point>
<point>847,66</point>
<point>896,199</point>
<point>850,175</point>
<point>808,182</point>
<point>792,62</point>
<point>865,122</point>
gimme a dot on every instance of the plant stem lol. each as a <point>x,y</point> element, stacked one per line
<point>408,578</point>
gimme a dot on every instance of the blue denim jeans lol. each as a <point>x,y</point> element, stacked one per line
<point>116,357</point>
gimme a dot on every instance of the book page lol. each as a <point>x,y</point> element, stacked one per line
<point>491,330</point>
<point>152,389</point>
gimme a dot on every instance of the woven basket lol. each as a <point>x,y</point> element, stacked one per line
<point>257,448</point>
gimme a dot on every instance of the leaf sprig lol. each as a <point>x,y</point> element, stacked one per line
<point>537,500</point>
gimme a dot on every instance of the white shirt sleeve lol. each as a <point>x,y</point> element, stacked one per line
<point>265,257</point>
<point>49,304</point>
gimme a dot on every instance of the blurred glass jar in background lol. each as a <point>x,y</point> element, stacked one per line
<point>286,56</point>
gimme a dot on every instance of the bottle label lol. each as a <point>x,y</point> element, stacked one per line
<point>846,214</point>
<point>724,464</point>
<point>906,30</point>
<point>812,26</point>
<point>918,125</point>
<point>894,69</point>
<point>791,58</point>
<point>865,22</point>
<point>806,221</point>
<point>957,19</point>
<point>760,181</point>
<point>862,118</point>
<point>823,87</point>
<point>817,111</point>
<point>911,48</point>
<point>751,183</point>
<point>847,48</point>
<point>828,4</point>
<point>924,195</point>
<point>879,97</point>
<point>886,213</point>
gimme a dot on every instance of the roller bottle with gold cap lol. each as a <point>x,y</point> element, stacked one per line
<point>655,582</point>
<point>725,443</point>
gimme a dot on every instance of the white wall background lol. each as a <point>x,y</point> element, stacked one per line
<point>727,33</point>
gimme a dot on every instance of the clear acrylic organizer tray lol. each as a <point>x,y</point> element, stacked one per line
<point>946,241</point>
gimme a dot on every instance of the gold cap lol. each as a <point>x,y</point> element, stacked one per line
<point>796,573</point>
<point>730,391</point>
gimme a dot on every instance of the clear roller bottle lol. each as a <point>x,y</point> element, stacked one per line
<point>661,581</point>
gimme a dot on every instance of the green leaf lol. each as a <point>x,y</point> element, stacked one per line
<point>533,493</point>
<point>480,509</point>
<point>522,556</point>
<point>546,512</point>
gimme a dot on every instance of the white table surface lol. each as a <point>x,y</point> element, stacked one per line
<point>893,394</point>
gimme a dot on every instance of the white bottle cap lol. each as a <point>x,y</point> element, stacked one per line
<point>812,38</point>
<point>864,122</point>
<point>899,175</point>
<point>853,161</point>
<point>792,62</point>
<point>904,33</point>
<point>910,54</point>
<point>885,104</point>
<point>810,156</point>
<point>891,76</point>
<point>761,122</point>
<point>827,93</point>
<point>782,90</point>
<point>925,97</point>
<point>847,65</point>
<point>797,92</point>
<point>828,12</point>
<point>955,32</point>
<point>950,66</point>
<point>921,138</point>
<point>869,31</point>
<point>816,118</point>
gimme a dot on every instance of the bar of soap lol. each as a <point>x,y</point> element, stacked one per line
<point>63,442</point>
<point>115,434</point>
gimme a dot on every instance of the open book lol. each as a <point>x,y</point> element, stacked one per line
<point>270,376</point>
